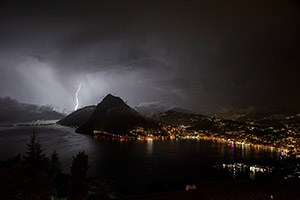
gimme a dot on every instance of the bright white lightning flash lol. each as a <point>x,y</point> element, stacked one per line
<point>77,101</point>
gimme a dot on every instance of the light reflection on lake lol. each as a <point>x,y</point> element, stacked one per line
<point>137,165</point>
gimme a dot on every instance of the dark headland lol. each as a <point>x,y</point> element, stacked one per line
<point>111,115</point>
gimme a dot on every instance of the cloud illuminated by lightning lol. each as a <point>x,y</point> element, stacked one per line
<point>77,101</point>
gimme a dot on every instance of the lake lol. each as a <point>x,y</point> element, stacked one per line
<point>138,166</point>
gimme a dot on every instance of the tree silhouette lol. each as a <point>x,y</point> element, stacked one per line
<point>35,154</point>
<point>55,173</point>
<point>54,164</point>
<point>79,183</point>
<point>23,181</point>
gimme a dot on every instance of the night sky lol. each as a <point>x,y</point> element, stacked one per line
<point>204,56</point>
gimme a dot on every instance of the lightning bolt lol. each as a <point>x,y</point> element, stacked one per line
<point>77,101</point>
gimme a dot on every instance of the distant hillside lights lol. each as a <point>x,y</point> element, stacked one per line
<point>174,125</point>
<point>139,133</point>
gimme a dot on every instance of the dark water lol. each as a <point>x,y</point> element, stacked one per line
<point>138,166</point>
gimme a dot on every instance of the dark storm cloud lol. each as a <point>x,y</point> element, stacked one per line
<point>202,55</point>
<point>13,111</point>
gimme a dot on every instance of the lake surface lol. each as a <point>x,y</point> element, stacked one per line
<point>138,166</point>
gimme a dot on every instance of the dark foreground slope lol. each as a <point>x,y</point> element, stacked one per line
<point>233,190</point>
<point>113,115</point>
<point>78,117</point>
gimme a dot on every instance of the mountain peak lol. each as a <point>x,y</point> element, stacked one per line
<point>111,99</point>
<point>110,96</point>
<point>113,115</point>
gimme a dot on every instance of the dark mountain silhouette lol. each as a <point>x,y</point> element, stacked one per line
<point>197,122</point>
<point>183,110</point>
<point>264,115</point>
<point>13,111</point>
<point>151,110</point>
<point>78,117</point>
<point>179,118</point>
<point>113,115</point>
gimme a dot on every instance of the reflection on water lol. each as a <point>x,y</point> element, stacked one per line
<point>243,151</point>
<point>149,146</point>
<point>137,165</point>
<point>243,170</point>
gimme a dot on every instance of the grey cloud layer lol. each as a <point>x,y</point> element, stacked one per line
<point>201,55</point>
